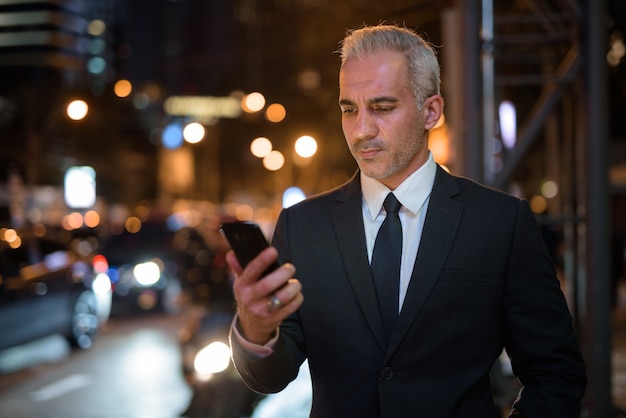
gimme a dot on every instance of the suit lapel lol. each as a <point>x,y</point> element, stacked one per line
<point>350,235</point>
<point>440,226</point>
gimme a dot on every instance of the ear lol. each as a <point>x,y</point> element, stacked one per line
<point>433,110</point>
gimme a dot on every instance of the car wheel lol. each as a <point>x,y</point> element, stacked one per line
<point>84,325</point>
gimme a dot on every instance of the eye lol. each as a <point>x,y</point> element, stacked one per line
<point>348,110</point>
<point>383,109</point>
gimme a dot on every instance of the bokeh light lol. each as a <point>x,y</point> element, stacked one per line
<point>508,123</point>
<point>133,224</point>
<point>549,189</point>
<point>92,218</point>
<point>77,109</point>
<point>253,102</point>
<point>96,65</point>
<point>172,136</point>
<point>244,212</point>
<point>72,220</point>
<point>122,88</point>
<point>193,132</point>
<point>292,195</point>
<point>80,187</point>
<point>275,113</point>
<point>306,146</point>
<point>538,204</point>
<point>96,27</point>
<point>261,147</point>
<point>9,235</point>
<point>274,161</point>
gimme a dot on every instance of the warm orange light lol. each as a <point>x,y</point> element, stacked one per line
<point>538,204</point>
<point>133,224</point>
<point>275,112</point>
<point>73,220</point>
<point>245,212</point>
<point>92,219</point>
<point>439,145</point>
<point>123,88</point>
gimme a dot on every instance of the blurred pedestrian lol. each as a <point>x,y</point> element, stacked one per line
<point>408,321</point>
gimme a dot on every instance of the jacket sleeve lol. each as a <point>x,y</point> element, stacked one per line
<point>272,373</point>
<point>539,333</point>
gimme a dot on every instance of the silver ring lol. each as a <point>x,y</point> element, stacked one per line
<point>273,304</point>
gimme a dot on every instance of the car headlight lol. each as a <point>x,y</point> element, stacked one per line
<point>147,274</point>
<point>212,359</point>
<point>101,284</point>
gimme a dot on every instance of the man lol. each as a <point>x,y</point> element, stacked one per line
<point>474,275</point>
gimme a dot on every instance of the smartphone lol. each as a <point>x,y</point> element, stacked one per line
<point>247,241</point>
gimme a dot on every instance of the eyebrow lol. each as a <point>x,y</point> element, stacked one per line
<point>375,100</point>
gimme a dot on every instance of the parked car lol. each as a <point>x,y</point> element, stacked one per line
<point>151,268</point>
<point>47,289</point>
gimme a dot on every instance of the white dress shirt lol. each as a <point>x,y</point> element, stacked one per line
<point>414,194</point>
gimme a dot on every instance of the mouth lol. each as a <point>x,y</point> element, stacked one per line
<point>368,154</point>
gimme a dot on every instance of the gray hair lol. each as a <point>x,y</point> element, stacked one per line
<point>422,64</point>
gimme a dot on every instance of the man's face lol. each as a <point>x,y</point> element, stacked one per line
<point>381,121</point>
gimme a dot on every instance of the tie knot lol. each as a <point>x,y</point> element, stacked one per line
<point>391,204</point>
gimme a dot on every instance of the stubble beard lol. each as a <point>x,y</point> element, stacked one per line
<point>389,163</point>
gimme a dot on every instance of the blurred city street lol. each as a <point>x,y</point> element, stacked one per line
<point>133,370</point>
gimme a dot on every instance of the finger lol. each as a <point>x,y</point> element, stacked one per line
<point>255,268</point>
<point>290,306</point>
<point>284,296</point>
<point>233,263</point>
<point>289,290</point>
<point>261,262</point>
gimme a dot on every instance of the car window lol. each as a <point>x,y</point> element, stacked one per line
<point>33,258</point>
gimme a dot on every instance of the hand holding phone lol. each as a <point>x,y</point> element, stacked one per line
<point>247,240</point>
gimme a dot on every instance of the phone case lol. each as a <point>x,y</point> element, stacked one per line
<point>247,241</point>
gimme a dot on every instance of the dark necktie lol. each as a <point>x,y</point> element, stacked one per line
<point>386,263</point>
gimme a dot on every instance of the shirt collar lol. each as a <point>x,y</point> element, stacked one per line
<point>412,192</point>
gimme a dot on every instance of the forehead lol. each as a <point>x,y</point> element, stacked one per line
<point>381,73</point>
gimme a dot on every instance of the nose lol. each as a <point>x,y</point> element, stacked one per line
<point>364,126</point>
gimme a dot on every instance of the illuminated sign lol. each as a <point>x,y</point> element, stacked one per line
<point>203,107</point>
<point>80,187</point>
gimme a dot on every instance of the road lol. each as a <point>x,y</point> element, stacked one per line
<point>133,371</point>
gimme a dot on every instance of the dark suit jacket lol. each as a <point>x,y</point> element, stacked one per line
<point>483,280</point>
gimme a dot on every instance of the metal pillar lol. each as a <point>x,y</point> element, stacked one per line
<point>472,97</point>
<point>597,328</point>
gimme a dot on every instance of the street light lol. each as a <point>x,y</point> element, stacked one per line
<point>260,147</point>
<point>193,132</point>
<point>275,112</point>
<point>274,160</point>
<point>253,102</point>
<point>77,109</point>
<point>306,146</point>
